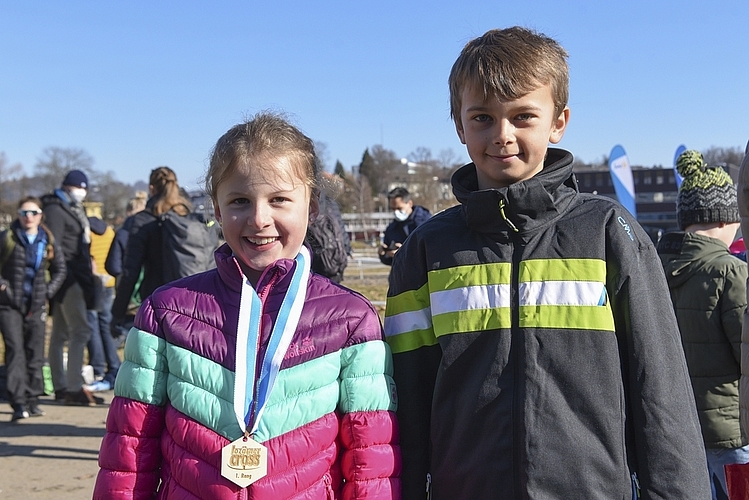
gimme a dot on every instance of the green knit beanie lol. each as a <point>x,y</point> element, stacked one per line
<point>707,194</point>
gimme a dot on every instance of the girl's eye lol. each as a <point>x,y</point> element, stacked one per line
<point>278,199</point>
<point>239,201</point>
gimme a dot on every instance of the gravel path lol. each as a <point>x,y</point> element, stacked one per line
<point>54,456</point>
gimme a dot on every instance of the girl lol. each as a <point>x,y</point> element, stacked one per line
<point>257,379</point>
<point>32,269</point>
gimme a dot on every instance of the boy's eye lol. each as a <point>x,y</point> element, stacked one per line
<point>482,118</point>
<point>278,199</point>
<point>524,117</point>
<point>239,201</point>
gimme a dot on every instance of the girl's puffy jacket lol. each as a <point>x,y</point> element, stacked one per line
<point>329,424</point>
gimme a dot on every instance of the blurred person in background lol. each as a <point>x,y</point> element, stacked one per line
<point>32,271</point>
<point>67,220</point>
<point>407,218</point>
<point>116,258</point>
<point>102,347</point>
<point>143,250</point>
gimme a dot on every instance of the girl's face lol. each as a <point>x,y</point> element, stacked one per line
<point>30,216</point>
<point>264,208</point>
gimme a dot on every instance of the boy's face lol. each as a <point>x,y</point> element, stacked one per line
<point>508,140</point>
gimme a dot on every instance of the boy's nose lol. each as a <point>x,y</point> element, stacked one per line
<point>504,133</point>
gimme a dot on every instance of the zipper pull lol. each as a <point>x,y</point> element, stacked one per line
<point>429,486</point>
<point>502,205</point>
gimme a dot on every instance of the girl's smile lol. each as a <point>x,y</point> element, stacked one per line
<point>264,207</point>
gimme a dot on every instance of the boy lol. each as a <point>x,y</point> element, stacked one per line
<point>708,289</point>
<point>535,349</point>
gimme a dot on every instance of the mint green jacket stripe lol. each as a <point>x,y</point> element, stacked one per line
<point>204,390</point>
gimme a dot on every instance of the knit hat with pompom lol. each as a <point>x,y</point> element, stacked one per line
<point>707,194</point>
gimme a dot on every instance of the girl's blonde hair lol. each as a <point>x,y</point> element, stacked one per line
<point>265,135</point>
<point>167,193</point>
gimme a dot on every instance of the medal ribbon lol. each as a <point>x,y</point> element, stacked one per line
<point>248,334</point>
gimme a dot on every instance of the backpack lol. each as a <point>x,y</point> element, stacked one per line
<point>187,244</point>
<point>328,239</point>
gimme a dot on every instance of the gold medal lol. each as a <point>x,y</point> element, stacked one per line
<point>244,461</point>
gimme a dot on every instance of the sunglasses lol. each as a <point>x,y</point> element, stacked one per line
<point>29,213</point>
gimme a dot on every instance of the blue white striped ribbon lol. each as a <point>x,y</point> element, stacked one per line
<point>247,390</point>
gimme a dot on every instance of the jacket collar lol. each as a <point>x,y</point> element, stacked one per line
<point>232,275</point>
<point>520,207</point>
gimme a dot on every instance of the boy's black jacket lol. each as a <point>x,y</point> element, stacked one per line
<point>566,411</point>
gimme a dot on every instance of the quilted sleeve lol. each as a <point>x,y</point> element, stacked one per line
<point>370,459</point>
<point>130,455</point>
<point>666,448</point>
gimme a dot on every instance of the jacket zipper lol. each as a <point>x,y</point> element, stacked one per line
<point>515,345</point>
<point>502,205</point>
<point>259,362</point>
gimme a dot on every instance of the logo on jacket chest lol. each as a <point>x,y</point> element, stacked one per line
<point>305,346</point>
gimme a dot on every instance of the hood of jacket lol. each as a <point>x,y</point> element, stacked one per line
<point>697,251</point>
<point>520,207</point>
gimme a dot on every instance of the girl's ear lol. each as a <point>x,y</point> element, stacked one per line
<point>314,206</point>
<point>217,212</point>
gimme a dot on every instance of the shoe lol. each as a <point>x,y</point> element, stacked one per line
<point>34,410</point>
<point>60,395</point>
<point>87,372</point>
<point>101,385</point>
<point>82,398</point>
<point>18,413</point>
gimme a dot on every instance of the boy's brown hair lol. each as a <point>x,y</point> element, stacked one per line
<point>508,64</point>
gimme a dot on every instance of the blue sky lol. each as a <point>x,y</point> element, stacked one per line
<point>139,84</point>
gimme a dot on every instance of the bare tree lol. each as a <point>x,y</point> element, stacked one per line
<point>112,194</point>
<point>8,190</point>
<point>8,171</point>
<point>357,195</point>
<point>730,156</point>
<point>56,162</point>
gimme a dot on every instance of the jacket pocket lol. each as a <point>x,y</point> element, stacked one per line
<point>6,295</point>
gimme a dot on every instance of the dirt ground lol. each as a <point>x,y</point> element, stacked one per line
<point>54,456</point>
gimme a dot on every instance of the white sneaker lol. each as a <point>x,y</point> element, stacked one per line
<point>99,386</point>
<point>87,372</point>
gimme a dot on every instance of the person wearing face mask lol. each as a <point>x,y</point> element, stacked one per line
<point>407,217</point>
<point>66,218</point>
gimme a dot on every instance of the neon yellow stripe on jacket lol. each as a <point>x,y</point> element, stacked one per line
<point>552,293</point>
<point>408,320</point>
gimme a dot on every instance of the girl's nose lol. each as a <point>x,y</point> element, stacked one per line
<point>259,216</point>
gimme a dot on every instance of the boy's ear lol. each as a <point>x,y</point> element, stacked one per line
<point>460,131</point>
<point>559,126</point>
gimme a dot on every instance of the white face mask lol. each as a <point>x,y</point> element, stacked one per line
<point>78,194</point>
<point>400,215</point>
